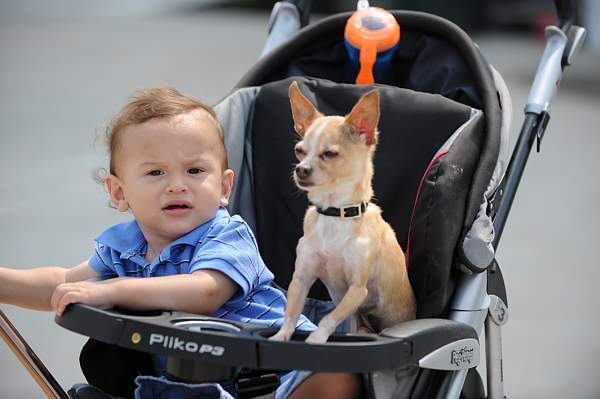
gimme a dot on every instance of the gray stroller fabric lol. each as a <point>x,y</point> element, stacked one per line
<point>477,244</point>
<point>235,114</point>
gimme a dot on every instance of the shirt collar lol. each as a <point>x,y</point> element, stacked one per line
<point>127,238</point>
<point>198,234</point>
<point>123,237</point>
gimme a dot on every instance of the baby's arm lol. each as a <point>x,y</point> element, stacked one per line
<point>201,292</point>
<point>33,288</point>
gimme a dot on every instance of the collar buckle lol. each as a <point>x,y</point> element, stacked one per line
<point>356,208</point>
<point>342,213</point>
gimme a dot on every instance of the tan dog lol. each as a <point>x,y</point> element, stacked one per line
<point>356,255</point>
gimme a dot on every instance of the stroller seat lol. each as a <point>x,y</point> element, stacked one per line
<point>442,152</point>
<point>424,164</point>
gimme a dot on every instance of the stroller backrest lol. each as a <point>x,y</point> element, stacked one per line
<point>414,129</point>
<point>434,161</point>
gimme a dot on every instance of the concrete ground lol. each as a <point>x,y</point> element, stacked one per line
<point>66,67</point>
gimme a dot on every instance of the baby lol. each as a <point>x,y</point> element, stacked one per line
<point>168,167</point>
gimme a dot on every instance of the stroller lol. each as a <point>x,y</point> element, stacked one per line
<point>442,177</point>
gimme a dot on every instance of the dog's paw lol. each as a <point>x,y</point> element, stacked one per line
<point>318,336</point>
<point>281,336</point>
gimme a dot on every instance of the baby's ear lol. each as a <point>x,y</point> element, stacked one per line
<point>226,186</point>
<point>115,191</point>
<point>303,111</point>
<point>364,117</point>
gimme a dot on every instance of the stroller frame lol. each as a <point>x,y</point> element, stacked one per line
<point>480,299</point>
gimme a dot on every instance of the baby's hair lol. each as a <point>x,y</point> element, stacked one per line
<point>151,103</point>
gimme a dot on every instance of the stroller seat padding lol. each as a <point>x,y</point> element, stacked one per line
<point>428,149</point>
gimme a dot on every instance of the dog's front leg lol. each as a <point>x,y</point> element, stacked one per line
<point>354,297</point>
<point>360,260</point>
<point>303,278</point>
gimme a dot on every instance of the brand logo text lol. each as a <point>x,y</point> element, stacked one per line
<point>176,343</point>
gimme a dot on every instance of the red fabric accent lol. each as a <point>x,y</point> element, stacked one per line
<point>433,161</point>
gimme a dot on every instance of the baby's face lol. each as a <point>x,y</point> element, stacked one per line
<point>170,174</point>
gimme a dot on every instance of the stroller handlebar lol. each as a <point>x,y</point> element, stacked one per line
<point>566,10</point>
<point>562,45</point>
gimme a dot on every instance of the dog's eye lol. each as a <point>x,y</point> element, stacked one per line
<point>329,154</point>
<point>299,151</point>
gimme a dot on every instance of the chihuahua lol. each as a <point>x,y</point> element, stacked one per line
<point>346,243</point>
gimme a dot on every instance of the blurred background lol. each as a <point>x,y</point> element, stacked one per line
<point>67,66</point>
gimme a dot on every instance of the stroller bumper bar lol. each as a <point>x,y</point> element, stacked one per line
<point>428,343</point>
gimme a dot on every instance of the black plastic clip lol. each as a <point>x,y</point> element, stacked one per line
<point>255,384</point>
<point>540,128</point>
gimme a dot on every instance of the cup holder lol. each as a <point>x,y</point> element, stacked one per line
<point>202,325</point>
<point>200,371</point>
<point>298,336</point>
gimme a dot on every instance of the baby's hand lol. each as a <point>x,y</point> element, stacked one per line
<point>95,294</point>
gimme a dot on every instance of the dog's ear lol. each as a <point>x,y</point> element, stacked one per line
<point>303,111</point>
<point>364,117</point>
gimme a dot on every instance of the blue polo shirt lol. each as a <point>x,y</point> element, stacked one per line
<point>224,243</point>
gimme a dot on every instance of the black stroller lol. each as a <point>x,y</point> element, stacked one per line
<point>442,177</point>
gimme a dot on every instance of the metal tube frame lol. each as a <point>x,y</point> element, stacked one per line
<point>493,348</point>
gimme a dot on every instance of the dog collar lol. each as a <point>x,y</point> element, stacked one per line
<point>352,211</point>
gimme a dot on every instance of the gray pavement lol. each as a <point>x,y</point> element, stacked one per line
<point>67,66</point>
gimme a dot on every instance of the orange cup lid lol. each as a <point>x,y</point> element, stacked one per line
<point>372,26</point>
<point>371,30</point>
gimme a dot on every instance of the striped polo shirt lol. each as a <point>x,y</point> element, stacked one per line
<point>224,243</point>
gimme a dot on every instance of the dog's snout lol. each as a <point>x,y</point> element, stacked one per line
<point>303,171</point>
